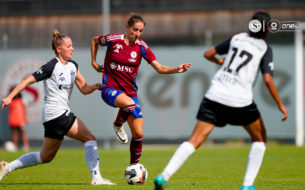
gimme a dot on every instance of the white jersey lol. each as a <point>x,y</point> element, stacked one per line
<point>58,80</point>
<point>233,83</point>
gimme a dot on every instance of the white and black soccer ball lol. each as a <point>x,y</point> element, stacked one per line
<point>136,174</point>
<point>10,147</point>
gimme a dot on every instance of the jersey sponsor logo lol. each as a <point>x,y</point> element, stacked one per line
<point>64,86</point>
<point>125,68</point>
<point>113,65</point>
<point>122,68</point>
<point>227,78</point>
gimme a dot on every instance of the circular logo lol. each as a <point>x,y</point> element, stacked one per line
<point>113,93</point>
<point>255,26</point>
<point>274,25</point>
<point>133,54</point>
<point>112,65</point>
<point>32,96</point>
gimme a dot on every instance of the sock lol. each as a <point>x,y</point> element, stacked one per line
<point>255,159</point>
<point>123,114</point>
<point>92,159</point>
<point>26,160</point>
<point>135,150</point>
<point>184,151</point>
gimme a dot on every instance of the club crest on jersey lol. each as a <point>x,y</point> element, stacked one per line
<point>117,48</point>
<point>133,55</point>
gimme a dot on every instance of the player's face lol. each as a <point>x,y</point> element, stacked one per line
<point>65,49</point>
<point>134,32</point>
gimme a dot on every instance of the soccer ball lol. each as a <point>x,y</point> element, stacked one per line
<point>136,174</point>
<point>9,146</point>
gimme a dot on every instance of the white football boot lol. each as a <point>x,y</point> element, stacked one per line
<point>101,181</point>
<point>120,134</point>
<point>3,169</point>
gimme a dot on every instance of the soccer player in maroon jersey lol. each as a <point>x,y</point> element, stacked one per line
<point>119,88</point>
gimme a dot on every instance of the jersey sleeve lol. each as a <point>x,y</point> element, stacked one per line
<point>147,54</point>
<point>267,65</point>
<point>45,71</point>
<point>74,62</point>
<point>108,39</point>
<point>223,47</point>
<point>102,40</point>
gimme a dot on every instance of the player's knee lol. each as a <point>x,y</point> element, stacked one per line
<point>130,108</point>
<point>138,135</point>
<point>91,138</point>
<point>258,138</point>
<point>47,159</point>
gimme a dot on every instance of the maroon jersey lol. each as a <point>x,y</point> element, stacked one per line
<point>122,62</point>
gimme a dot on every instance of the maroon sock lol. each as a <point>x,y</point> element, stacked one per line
<point>135,150</point>
<point>123,114</point>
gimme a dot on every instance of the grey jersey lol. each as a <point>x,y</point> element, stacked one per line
<point>233,83</point>
<point>58,80</point>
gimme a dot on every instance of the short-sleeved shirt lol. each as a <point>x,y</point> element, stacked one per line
<point>16,113</point>
<point>122,62</point>
<point>58,81</point>
<point>232,85</point>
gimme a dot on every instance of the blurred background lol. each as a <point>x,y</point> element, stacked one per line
<point>177,31</point>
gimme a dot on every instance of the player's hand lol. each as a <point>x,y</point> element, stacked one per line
<point>99,68</point>
<point>98,86</point>
<point>5,101</point>
<point>183,67</point>
<point>284,110</point>
<point>221,60</point>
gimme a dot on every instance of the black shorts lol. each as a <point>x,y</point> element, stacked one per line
<point>57,128</point>
<point>220,115</point>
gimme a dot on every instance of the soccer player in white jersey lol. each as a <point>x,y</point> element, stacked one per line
<point>59,76</point>
<point>229,99</point>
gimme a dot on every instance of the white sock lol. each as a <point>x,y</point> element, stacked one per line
<point>26,160</point>
<point>255,160</point>
<point>92,159</point>
<point>184,151</point>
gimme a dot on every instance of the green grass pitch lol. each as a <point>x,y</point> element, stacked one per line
<point>209,168</point>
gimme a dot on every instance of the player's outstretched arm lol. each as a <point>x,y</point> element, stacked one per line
<point>22,85</point>
<point>94,49</point>
<point>163,69</point>
<point>82,85</point>
<point>211,56</point>
<point>272,89</point>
